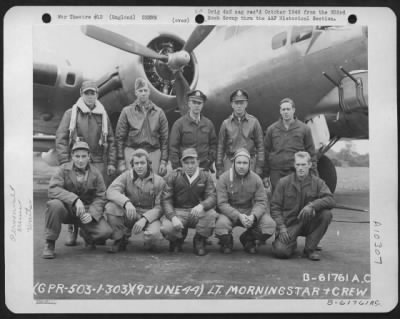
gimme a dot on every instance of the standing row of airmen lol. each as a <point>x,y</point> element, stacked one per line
<point>141,200</point>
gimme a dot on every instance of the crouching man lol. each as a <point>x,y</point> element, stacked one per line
<point>77,196</point>
<point>301,206</point>
<point>134,203</point>
<point>242,201</point>
<point>188,201</point>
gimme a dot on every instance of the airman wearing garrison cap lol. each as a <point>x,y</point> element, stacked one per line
<point>142,124</point>
<point>193,130</point>
<point>240,130</point>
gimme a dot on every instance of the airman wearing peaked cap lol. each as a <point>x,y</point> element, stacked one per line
<point>194,130</point>
<point>239,95</point>
<point>197,95</point>
<point>240,130</point>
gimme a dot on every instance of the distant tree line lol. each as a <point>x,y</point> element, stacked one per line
<point>348,157</point>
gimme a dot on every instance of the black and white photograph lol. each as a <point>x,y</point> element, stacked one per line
<point>221,161</point>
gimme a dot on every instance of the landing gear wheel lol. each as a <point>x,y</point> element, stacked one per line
<point>327,172</point>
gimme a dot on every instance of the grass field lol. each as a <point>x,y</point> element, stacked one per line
<point>352,179</point>
<point>349,178</point>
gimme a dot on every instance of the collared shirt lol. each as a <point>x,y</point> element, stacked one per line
<point>185,133</point>
<point>137,128</point>
<point>195,118</point>
<point>235,134</point>
<point>194,176</point>
<point>81,175</point>
<point>147,106</point>
<point>282,143</point>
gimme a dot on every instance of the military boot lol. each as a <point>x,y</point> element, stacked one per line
<point>89,242</point>
<point>262,238</point>
<point>116,246</point>
<point>199,243</point>
<point>248,241</point>
<point>72,235</point>
<point>226,243</point>
<point>48,250</point>
<point>176,245</point>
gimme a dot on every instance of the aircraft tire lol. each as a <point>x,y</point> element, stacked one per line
<point>327,172</point>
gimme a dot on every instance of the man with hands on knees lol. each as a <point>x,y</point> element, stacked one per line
<point>134,204</point>
<point>301,206</point>
<point>242,201</point>
<point>77,196</point>
<point>240,130</point>
<point>188,201</point>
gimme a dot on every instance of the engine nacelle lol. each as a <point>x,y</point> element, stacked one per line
<point>118,89</point>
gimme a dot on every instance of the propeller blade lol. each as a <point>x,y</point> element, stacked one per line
<point>119,41</point>
<point>181,89</point>
<point>197,36</point>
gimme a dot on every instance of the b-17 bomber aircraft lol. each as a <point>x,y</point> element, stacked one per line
<point>322,68</point>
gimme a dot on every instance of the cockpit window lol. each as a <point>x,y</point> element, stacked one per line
<point>235,30</point>
<point>279,40</point>
<point>301,33</point>
<point>70,79</point>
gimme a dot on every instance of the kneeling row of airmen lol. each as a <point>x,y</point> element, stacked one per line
<point>139,200</point>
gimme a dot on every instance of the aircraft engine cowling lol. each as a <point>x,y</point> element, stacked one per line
<point>117,89</point>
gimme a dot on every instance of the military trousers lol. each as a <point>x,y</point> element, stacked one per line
<point>313,230</point>
<point>264,226</point>
<point>204,224</point>
<point>57,214</point>
<point>122,225</point>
